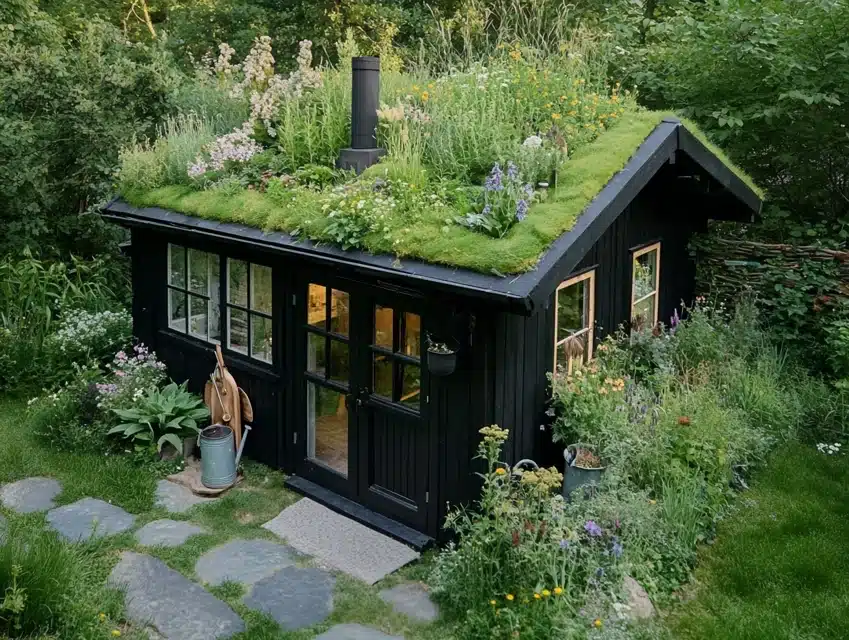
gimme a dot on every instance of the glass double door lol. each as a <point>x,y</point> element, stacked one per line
<point>362,429</point>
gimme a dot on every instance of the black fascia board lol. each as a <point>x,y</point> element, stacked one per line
<point>506,292</point>
<point>718,170</point>
<point>568,250</point>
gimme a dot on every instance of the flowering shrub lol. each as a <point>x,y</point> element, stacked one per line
<point>84,337</point>
<point>130,376</point>
<point>506,200</point>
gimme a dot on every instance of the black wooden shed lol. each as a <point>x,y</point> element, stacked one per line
<point>330,344</point>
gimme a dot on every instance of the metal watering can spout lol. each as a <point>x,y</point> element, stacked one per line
<point>242,444</point>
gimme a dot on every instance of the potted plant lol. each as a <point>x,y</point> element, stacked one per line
<point>583,468</point>
<point>441,359</point>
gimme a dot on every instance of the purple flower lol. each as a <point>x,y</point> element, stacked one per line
<point>512,171</point>
<point>675,320</point>
<point>599,572</point>
<point>564,544</point>
<point>486,210</point>
<point>494,181</point>
<point>616,550</point>
<point>593,529</point>
<point>522,210</point>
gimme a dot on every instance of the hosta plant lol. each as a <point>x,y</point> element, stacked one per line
<point>166,415</point>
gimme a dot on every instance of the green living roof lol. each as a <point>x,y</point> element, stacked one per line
<point>429,238</point>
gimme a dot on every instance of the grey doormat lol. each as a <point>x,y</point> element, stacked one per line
<point>339,542</point>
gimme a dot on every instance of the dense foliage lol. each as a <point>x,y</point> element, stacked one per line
<point>680,420</point>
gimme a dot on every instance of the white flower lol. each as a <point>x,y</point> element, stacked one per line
<point>532,142</point>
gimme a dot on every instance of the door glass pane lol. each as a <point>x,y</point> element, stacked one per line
<point>177,310</point>
<point>340,312</point>
<point>261,338</point>
<point>643,313</point>
<point>176,266</point>
<point>340,368</point>
<point>238,335</point>
<point>572,309</point>
<point>198,322</point>
<point>645,276</point>
<point>315,353</point>
<point>383,376</point>
<point>198,272</point>
<point>383,329</point>
<point>261,288</point>
<point>237,282</point>
<point>412,335</point>
<point>327,428</point>
<point>317,306</point>
<point>411,385</point>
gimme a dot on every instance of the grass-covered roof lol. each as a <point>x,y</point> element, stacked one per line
<point>426,199</point>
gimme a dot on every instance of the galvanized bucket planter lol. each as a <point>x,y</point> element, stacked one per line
<point>218,456</point>
<point>575,476</point>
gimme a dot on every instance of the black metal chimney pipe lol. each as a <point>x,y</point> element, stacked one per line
<point>365,101</point>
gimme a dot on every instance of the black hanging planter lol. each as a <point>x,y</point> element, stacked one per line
<point>441,363</point>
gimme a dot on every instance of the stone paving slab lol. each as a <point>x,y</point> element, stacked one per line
<point>176,498</point>
<point>295,597</point>
<point>339,542</point>
<point>167,533</point>
<point>411,600</point>
<point>243,561</point>
<point>30,495</point>
<point>354,632</point>
<point>175,607</point>
<point>89,517</point>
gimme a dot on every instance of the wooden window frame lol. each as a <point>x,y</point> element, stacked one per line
<point>188,293</point>
<point>247,309</point>
<point>655,246</point>
<point>329,337</point>
<point>589,330</point>
<point>397,357</point>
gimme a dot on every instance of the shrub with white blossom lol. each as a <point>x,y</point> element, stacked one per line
<point>84,337</point>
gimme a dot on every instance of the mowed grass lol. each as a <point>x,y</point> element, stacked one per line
<point>76,574</point>
<point>780,566</point>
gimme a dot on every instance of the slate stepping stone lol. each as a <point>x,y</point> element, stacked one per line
<point>30,495</point>
<point>354,632</point>
<point>294,597</point>
<point>167,533</point>
<point>175,607</point>
<point>412,600</point>
<point>88,518</point>
<point>243,561</point>
<point>175,498</point>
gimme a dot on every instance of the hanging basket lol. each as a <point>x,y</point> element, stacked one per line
<point>441,363</point>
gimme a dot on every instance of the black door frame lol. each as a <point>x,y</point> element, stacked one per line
<point>360,401</point>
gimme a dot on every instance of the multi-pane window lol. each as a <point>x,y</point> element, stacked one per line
<point>396,356</point>
<point>249,308</point>
<point>328,374</point>
<point>573,322</point>
<point>194,286</point>
<point>644,287</point>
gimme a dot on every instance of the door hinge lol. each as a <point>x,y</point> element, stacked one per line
<point>427,399</point>
<point>296,438</point>
<point>427,497</point>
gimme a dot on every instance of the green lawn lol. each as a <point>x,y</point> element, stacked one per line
<point>780,565</point>
<point>114,478</point>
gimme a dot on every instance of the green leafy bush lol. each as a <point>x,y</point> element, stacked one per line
<point>162,416</point>
<point>84,337</point>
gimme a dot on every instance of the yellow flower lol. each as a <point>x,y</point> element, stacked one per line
<point>546,593</point>
<point>652,501</point>
<point>555,116</point>
<point>573,113</point>
<point>492,602</point>
<point>425,96</point>
<point>537,596</point>
<point>500,471</point>
<point>509,596</point>
<point>548,105</point>
<point>597,623</point>
<point>515,54</point>
<point>430,85</point>
<point>558,590</point>
<point>102,617</point>
<point>116,633</point>
<point>415,88</point>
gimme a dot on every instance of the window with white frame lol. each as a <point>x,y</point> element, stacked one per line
<point>194,286</point>
<point>645,284</point>
<point>249,308</point>
<point>574,317</point>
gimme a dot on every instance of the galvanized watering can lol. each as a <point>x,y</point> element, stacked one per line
<point>219,460</point>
